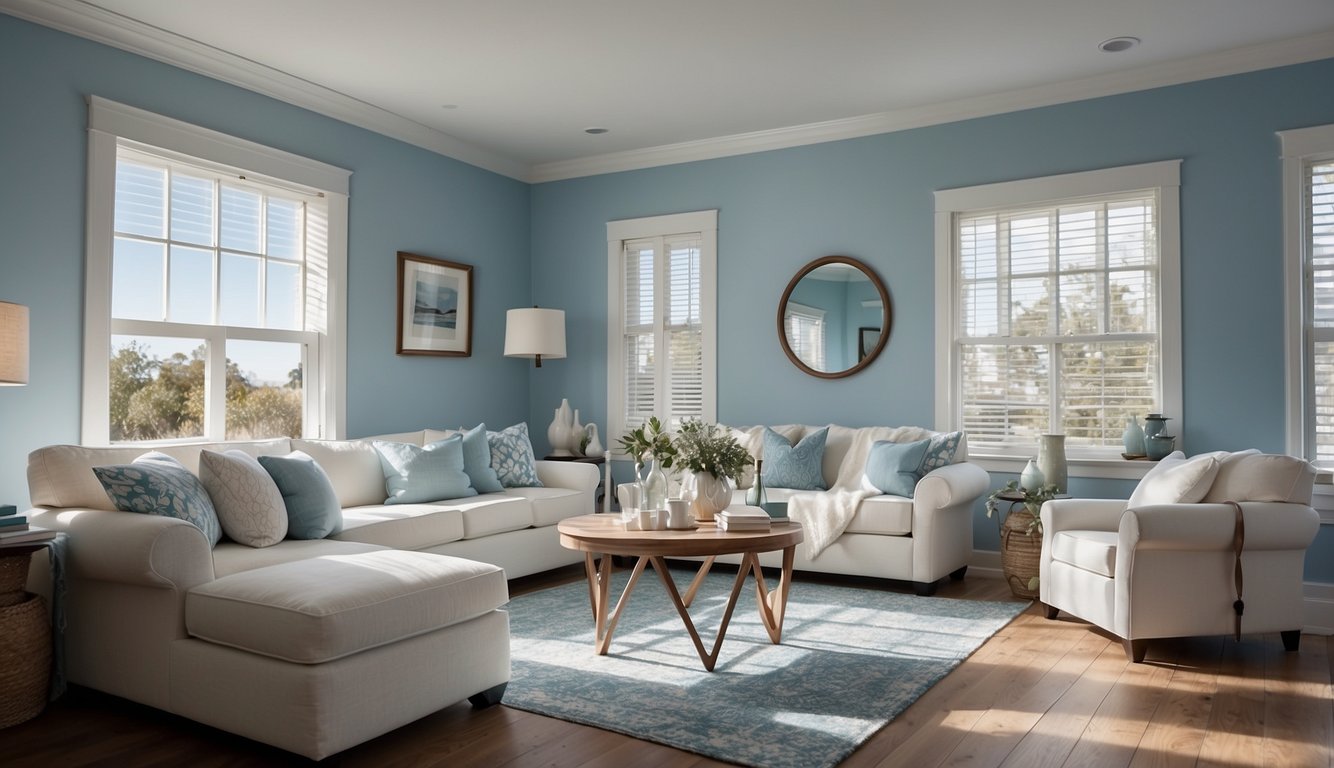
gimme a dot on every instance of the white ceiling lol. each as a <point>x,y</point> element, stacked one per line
<point>511,85</point>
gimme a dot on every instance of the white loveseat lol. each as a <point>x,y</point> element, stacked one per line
<point>921,539</point>
<point>312,646</point>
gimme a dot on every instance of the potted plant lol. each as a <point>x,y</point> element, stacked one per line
<point>652,440</point>
<point>1021,534</point>
<point>711,456</point>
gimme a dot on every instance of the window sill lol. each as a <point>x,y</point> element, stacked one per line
<point>1114,469</point>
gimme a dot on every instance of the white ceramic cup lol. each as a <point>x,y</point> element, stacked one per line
<point>647,519</point>
<point>678,513</point>
<point>628,495</point>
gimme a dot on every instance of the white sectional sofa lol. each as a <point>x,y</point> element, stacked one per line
<point>312,646</point>
<point>919,539</point>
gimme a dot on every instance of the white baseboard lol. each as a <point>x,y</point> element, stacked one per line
<point>1318,598</point>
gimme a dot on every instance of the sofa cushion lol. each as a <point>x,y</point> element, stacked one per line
<point>940,453</point>
<point>477,461</point>
<point>313,611</point>
<point>402,526</point>
<point>893,467</point>
<point>230,557</point>
<point>552,505</point>
<point>353,467</point>
<point>415,474</point>
<point>752,439</point>
<point>512,457</point>
<point>493,513</point>
<point>312,506</point>
<point>1254,476</point>
<point>1093,551</point>
<point>249,505</point>
<point>157,484</point>
<point>883,516</point>
<point>799,466</point>
<point>1176,480</point>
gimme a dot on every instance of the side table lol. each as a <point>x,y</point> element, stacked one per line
<point>27,632</point>
<point>601,492</point>
<point>1021,547</point>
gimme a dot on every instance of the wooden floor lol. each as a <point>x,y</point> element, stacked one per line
<point>1039,693</point>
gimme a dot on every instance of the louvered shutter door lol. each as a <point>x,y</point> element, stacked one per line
<point>638,311</point>
<point>1319,214</point>
<point>683,329</point>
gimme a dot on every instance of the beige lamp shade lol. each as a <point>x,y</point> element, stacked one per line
<point>535,333</point>
<point>14,344</point>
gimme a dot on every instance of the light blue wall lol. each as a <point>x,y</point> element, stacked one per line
<point>871,198</point>
<point>402,198</point>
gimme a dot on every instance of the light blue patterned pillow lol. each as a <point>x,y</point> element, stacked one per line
<point>892,467</point>
<point>157,484</point>
<point>512,457</point>
<point>940,453</point>
<point>433,472</point>
<point>797,467</point>
<point>477,461</point>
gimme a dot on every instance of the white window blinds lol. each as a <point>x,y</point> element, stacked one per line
<point>1057,320</point>
<point>1318,232</point>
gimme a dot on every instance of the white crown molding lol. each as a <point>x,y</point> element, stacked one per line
<point>1235,61</point>
<point>88,21</point>
<point>80,18</point>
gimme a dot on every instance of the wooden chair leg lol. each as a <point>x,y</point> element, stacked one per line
<point>1051,611</point>
<point>1135,649</point>
<point>1291,639</point>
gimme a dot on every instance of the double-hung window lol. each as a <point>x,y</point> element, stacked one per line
<point>661,300</point>
<point>1058,311</point>
<point>213,285</point>
<point>1308,202</point>
<point>805,328</point>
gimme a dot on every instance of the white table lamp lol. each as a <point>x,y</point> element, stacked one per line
<point>535,333</point>
<point>14,344</point>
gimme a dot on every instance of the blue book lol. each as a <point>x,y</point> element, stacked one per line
<point>6,522</point>
<point>7,509</point>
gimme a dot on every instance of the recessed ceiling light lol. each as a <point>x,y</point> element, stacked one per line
<point>1118,44</point>
<point>595,131</point>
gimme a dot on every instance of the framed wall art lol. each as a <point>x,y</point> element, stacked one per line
<point>434,307</point>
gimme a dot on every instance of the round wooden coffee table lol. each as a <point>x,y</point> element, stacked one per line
<point>606,535</point>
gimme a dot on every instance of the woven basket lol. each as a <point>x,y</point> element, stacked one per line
<point>13,578</point>
<point>25,660</point>
<point>1020,552</point>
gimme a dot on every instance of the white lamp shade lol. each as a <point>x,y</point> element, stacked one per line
<point>14,344</point>
<point>534,332</point>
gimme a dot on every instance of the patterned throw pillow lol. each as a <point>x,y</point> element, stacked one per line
<point>512,457</point>
<point>247,501</point>
<point>477,461</point>
<point>940,453</point>
<point>157,484</point>
<point>892,467</point>
<point>433,472</point>
<point>313,511</point>
<point>799,466</point>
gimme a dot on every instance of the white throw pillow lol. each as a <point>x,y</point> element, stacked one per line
<point>1176,480</point>
<point>1255,476</point>
<point>247,501</point>
<point>353,467</point>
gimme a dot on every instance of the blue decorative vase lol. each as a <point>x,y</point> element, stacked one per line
<point>1031,479</point>
<point>1154,424</point>
<point>1159,446</point>
<point>1133,438</point>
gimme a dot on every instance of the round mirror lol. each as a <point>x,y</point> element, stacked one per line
<point>834,317</point>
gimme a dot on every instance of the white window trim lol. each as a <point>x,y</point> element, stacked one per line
<point>109,121</point>
<point>618,232</point>
<point>810,313</point>
<point>1165,176</point>
<point>1298,147</point>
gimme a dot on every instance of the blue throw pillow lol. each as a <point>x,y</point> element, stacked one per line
<point>892,467</point>
<point>512,457</point>
<point>313,511</point>
<point>157,484</point>
<point>940,453</point>
<point>415,474</point>
<point>797,467</point>
<point>477,461</point>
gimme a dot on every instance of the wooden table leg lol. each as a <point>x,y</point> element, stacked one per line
<point>773,604</point>
<point>709,658</point>
<point>606,627</point>
<point>704,567</point>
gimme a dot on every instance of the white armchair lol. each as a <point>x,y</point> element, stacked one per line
<point>1165,563</point>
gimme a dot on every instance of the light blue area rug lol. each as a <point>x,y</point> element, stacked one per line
<point>850,661</point>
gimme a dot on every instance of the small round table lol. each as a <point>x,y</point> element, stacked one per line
<point>1021,545</point>
<point>606,535</point>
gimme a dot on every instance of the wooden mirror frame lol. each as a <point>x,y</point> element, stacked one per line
<point>886,315</point>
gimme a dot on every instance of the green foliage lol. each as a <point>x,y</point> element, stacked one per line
<point>1033,501</point>
<point>704,447</point>
<point>651,438</point>
<point>154,399</point>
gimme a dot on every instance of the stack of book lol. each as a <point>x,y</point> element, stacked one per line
<point>14,528</point>
<point>743,519</point>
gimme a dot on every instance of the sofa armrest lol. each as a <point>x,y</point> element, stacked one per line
<point>949,485</point>
<point>1081,515</point>
<point>576,475</point>
<point>1210,527</point>
<point>130,548</point>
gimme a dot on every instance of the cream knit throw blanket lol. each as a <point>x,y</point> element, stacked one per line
<point>826,514</point>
